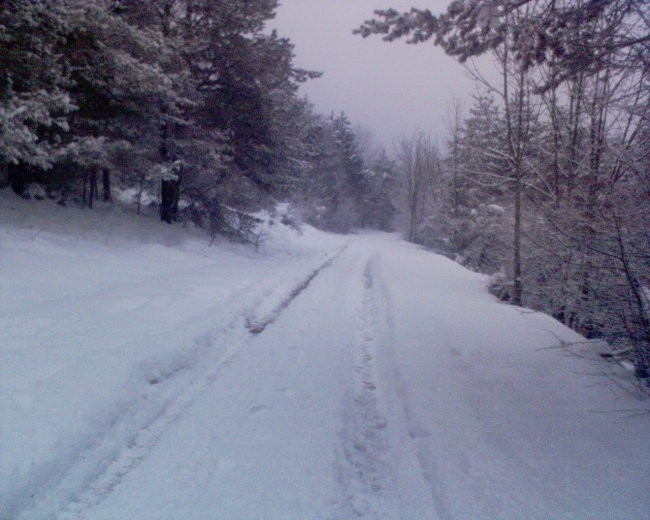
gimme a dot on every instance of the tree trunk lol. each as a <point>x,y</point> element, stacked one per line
<point>456,180</point>
<point>84,188</point>
<point>575,117</point>
<point>17,178</point>
<point>556,148</point>
<point>516,268</point>
<point>169,195</point>
<point>142,179</point>
<point>169,188</point>
<point>92,193</point>
<point>4,175</point>
<point>412,223</point>
<point>95,180</point>
<point>106,185</point>
<point>516,138</point>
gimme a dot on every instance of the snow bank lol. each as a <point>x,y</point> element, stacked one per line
<point>103,316</point>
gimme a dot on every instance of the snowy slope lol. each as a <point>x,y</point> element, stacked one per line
<point>146,375</point>
<point>98,311</point>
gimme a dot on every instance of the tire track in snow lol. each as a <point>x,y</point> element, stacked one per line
<point>367,477</point>
<point>128,456</point>
<point>417,441</point>
<point>103,463</point>
<point>262,316</point>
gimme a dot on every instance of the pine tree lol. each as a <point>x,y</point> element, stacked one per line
<point>34,104</point>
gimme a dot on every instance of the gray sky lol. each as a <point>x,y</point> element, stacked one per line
<point>392,89</point>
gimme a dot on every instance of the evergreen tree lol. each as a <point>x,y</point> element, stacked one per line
<point>34,103</point>
<point>380,205</point>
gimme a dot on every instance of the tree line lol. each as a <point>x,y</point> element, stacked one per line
<point>544,180</point>
<point>191,102</point>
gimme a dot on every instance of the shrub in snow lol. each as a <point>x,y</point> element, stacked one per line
<point>35,191</point>
<point>477,238</point>
<point>287,215</point>
<point>500,286</point>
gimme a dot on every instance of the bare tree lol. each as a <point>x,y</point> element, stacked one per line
<point>417,159</point>
<point>565,150</point>
<point>454,124</point>
<point>514,127</point>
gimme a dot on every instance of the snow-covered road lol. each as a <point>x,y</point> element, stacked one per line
<point>361,377</point>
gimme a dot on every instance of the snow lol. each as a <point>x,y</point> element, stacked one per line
<point>495,210</point>
<point>146,374</point>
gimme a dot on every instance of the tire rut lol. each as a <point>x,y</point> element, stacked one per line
<point>102,465</point>
<point>417,440</point>
<point>367,475</point>
<point>258,320</point>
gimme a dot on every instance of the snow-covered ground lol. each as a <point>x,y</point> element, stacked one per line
<point>148,375</point>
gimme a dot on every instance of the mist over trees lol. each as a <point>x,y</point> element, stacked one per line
<point>545,176</point>
<point>190,103</point>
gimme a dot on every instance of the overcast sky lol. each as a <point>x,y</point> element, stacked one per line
<point>392,89</point>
